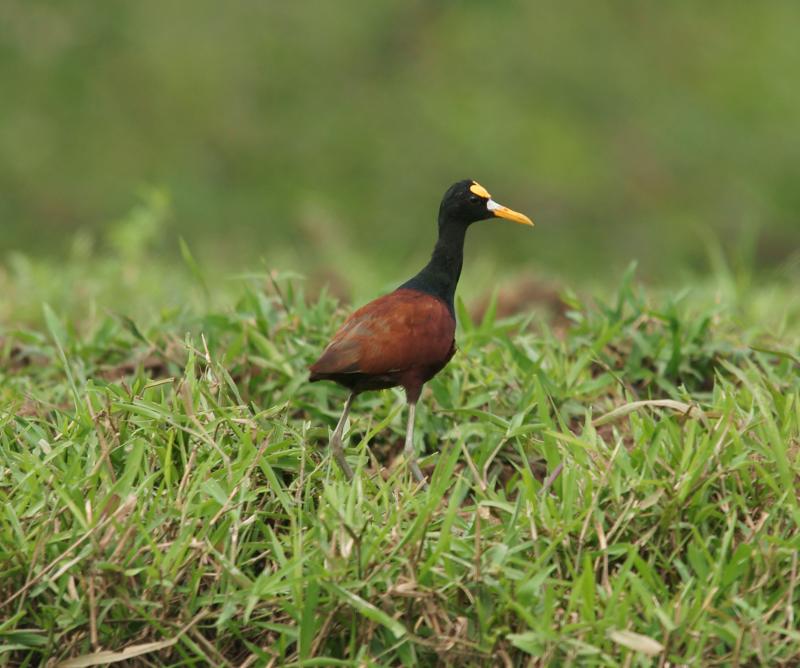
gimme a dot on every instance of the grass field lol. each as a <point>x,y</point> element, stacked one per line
<point>614,484</point>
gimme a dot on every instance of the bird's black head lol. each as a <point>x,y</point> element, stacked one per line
<point>468,201</point>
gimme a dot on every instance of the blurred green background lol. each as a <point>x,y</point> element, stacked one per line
<point>321,135</point>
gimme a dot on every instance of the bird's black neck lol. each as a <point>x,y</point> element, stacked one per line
<point>440,276</point>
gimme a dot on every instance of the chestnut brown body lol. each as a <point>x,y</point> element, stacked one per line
<point>404,338</point>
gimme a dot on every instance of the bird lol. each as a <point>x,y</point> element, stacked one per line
<point>406,337</point>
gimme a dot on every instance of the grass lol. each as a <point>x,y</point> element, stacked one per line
<point>616,487</point>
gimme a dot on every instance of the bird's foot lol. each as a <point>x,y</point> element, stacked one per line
<point>338,455</point>
<point>416,472</point>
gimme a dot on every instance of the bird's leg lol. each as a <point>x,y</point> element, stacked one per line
<point>336,440</point>
<point>408,450</point>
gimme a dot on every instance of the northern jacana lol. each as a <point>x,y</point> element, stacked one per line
<point>406,337</point>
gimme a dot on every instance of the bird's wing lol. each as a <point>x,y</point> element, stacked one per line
<point>395,332</point>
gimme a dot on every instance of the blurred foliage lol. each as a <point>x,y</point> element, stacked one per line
<point>321,135</point>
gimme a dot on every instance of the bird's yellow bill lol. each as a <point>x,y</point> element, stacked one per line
<point>509,214</point>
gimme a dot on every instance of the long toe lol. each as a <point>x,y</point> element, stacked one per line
<point>416,472</point>
<point>338,455</point>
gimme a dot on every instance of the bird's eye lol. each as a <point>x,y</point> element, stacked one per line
<point>474,199</point>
